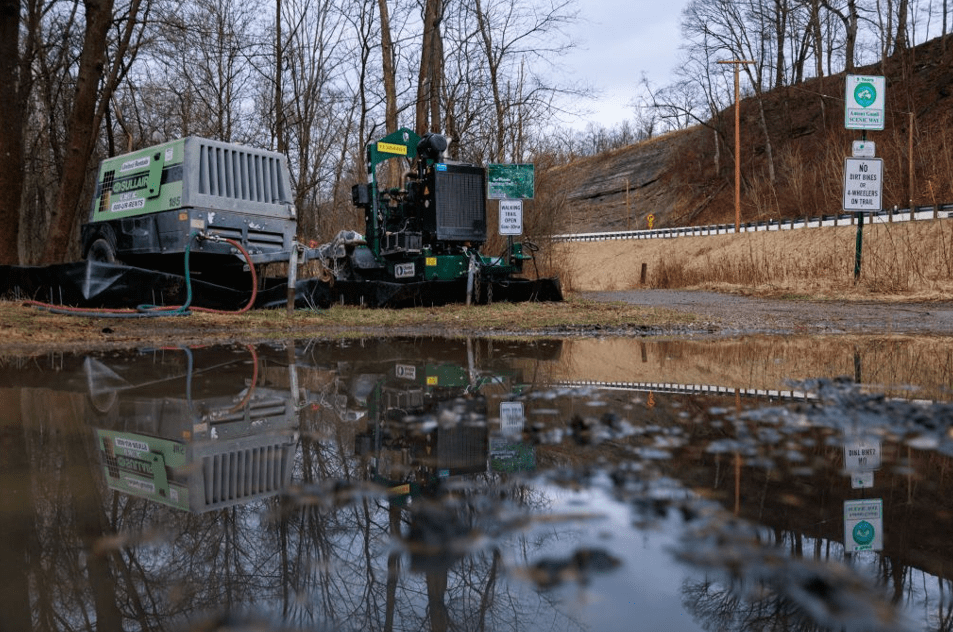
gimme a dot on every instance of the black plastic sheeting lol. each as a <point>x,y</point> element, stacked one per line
<point>426,293</point>
<point>91,284</point>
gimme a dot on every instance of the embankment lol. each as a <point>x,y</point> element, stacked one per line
<point>908,261</point>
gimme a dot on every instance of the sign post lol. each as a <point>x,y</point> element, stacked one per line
<point>863,193</point>
<point>864,109</point>
<point>510,184</point>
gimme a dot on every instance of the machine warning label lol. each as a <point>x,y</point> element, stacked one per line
<point>127,205</point>
<point>132,165</point>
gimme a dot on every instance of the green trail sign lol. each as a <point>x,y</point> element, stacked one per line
<point>510,181</point>
<point>864,102</point>
<point>863,525</point>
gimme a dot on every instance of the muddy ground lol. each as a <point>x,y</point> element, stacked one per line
<point>727,314</point>
<point>25,331</point>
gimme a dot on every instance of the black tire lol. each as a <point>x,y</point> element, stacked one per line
<point>101,251</point>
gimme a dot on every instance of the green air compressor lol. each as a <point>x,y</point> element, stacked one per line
<point>149,204</point>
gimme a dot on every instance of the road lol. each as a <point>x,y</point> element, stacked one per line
<point>732,314</point>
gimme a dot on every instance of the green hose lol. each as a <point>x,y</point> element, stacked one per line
<point>142,311</point>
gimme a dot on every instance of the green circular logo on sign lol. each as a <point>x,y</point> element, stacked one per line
<point>863,533</point>
<point>865,94</point>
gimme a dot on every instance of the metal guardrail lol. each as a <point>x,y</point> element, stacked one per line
<point>690,389</point>
<point>942,211</point>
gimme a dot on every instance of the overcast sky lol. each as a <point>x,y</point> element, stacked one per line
<point>618,41</point>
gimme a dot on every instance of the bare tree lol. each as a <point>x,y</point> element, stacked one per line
<point>849,16</point>
<point>206,48</point>
<point>96,80</point>
<point>15,76</point>
<point>430,76</point>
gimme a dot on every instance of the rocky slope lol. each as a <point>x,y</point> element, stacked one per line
<point>686,177</point>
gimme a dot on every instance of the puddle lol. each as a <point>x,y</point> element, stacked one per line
<point>763,483</point>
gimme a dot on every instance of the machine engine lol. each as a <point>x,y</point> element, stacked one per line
<point>431,227</point>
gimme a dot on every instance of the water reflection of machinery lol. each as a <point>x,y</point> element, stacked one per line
<point>424,420</point>
<point>198,430</point>
<point>428,433</point>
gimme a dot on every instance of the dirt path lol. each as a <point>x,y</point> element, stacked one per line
<point>730,314</point>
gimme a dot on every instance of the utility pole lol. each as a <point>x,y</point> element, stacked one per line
<point>737,63</point>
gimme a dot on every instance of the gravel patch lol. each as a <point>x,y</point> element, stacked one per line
<point>732,314</point>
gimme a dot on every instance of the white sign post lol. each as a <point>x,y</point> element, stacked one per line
<point>512,417</point>
<point>861,455</point>
<point>511,217</point>
<point>863,184</point>
<point>863,525</point>
<point>861,458</point>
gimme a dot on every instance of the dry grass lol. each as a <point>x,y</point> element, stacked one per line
<point>25,329</point>
<point>909,261</point>
<point>765,362</point>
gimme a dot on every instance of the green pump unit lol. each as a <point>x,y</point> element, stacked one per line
<point>149,203</point>
<point>432,227</point>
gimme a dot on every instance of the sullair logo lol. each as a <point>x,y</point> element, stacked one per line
<point>131,185</point>
<point>134,465</point>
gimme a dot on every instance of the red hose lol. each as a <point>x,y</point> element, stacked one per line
<point>254,285</point>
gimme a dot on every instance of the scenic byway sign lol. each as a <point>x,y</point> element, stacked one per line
<point>864,107</point>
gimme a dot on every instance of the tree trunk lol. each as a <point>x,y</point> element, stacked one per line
<point>428,84</point>
<point>780,32</point>
<point>496,153</point>
<point>900,41</point>
<point>390,73</point>
<point>82,129</point>
<point>281,144</point>
<point>12,108</point>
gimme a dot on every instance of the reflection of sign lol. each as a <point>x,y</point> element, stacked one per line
<point>863,525</point>
<point>514,182</point>
<point>406,371</point>
<point>864,102</point>
<point>511,417</point>
<point>136,465</point>
<point>863,184</point>
<point>509,456</point>
<point>511,217</point>
<point>861,456</point>
<point>861,480</point>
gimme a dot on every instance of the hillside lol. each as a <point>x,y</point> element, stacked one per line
<point>686,177</point>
